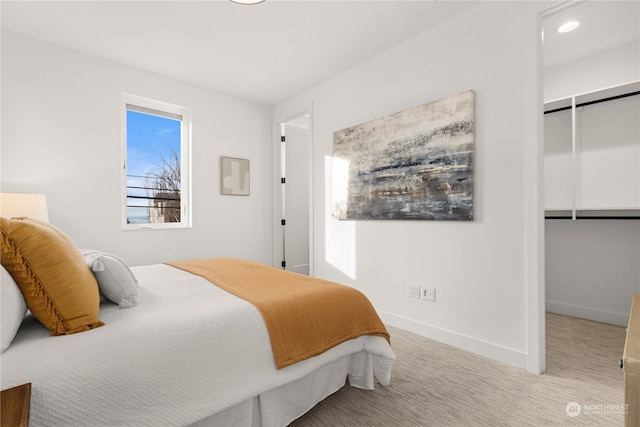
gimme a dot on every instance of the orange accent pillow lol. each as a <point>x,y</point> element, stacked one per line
<point>58,287</point>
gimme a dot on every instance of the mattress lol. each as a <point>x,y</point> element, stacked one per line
<point>186,352</point>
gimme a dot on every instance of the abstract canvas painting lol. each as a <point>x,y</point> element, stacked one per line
<point>234,176</point>
<point>415,164</point>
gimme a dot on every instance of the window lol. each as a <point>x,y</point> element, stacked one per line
<point>155,177</point>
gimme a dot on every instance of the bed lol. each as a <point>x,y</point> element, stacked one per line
<point>176,351</point>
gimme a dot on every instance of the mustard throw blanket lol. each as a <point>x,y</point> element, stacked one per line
<point>305,316</point>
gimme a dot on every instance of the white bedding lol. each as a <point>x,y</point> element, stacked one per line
<point>187,351</point>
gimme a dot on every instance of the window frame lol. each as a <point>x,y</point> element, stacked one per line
<point>185,160</point>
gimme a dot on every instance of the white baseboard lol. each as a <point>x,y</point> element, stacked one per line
<point>493,351</point>
<point>619,319</point>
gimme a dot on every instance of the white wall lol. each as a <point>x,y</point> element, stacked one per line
<point>484,270</point>
<point>593,266</point>
<point>608,68</point>
<point>61,136</point>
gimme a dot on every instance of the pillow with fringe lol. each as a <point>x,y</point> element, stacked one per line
<point>59,289</point>
<point>115,279</point>
<point>13,308</point>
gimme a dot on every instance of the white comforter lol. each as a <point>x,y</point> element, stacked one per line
<point>187,351</point>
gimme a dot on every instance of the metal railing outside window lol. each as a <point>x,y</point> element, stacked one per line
<point>150,202</point>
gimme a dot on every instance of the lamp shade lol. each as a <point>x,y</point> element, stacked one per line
<point>27,205</point>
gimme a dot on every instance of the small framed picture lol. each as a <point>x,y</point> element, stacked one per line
<point>234,176</point>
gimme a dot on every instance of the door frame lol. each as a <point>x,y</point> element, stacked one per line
<point>277,186</point>
<point>536,269</point>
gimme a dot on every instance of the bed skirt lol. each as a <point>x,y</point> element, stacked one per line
<point>281,406</point>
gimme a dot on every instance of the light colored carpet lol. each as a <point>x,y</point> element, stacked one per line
<point>434,384</point>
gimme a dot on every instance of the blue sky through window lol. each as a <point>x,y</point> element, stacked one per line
<point>150,139</point>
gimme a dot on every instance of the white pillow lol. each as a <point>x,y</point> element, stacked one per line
<point>14,308</point>
<point>115,279</point>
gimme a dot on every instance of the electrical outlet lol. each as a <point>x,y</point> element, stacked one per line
<point>427,293</point>
<point>413,290</point>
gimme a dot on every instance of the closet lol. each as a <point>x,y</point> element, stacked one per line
<point>592,203</point>
<point>592,154</point>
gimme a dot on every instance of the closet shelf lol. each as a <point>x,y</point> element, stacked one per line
<point>595,97</point>
<point>593,214</point>
<point>596,101</point>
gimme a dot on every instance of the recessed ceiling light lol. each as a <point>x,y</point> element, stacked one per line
<point>247,1</point>
<point>568,26</point>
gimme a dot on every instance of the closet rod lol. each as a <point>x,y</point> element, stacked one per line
<point>582,218</point>
<point>582,214</point>
<point>597,101</point>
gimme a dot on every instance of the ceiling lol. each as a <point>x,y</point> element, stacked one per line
<point>273,50</point>
<point>604,24</point>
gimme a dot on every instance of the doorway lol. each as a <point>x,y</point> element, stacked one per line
<point>295,195</point>
<point>591,139</point>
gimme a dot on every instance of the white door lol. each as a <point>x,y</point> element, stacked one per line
<point>297,170</point>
